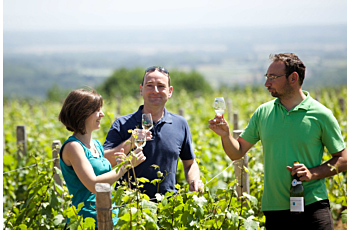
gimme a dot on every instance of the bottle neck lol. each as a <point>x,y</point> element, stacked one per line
<point>296,177</point>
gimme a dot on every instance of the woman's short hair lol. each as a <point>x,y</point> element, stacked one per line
<point>77,107</point>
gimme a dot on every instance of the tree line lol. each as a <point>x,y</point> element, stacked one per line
<point>126,82</point>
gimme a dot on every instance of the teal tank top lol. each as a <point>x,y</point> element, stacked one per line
<point>76,188</point>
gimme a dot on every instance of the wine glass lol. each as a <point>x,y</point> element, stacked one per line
<point>147,122</point>
<point>219,106</point>
<point>140,137</point>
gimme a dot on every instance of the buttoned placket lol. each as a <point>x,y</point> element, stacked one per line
<point>155,126</point>
<point>288,116</point>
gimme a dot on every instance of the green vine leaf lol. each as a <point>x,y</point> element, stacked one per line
<point>89,223</point>
<point>22,227</point>
<point>74,225</point>
<point>143,180</point>
<point>155,181</point>
<point>58,219</point>
<point>344,215</point>
<point>250,224</point>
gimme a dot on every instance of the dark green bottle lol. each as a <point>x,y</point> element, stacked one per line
<point>296,195</point>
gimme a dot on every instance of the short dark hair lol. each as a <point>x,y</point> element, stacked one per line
<point>292,64</point>
<point>77,107</point>
<point>146,73</point>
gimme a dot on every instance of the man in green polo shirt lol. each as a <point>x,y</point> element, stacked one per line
<point>293,127</point>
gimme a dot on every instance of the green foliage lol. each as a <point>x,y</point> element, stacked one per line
<point>41,208</point>
<point>344,215</point>
<point>125,82</point>
<point>191,82</point>
<point>30,201</point>
<point>56,93</point>
<point>185,210</point>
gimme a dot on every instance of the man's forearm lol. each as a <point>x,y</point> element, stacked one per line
<point>192,173</point>
<point>339,161</point>
<point>232,147</point>
<point>109,153</point>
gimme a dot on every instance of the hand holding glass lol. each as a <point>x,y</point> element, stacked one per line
<point>147,122</point>
<point>140,137</point>
<point>219,106</point>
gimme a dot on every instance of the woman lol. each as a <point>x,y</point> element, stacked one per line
<point>82,158</point>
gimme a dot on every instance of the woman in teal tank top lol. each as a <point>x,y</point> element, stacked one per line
<point>82,158</point>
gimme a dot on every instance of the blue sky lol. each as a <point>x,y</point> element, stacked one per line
<point>108,14</point>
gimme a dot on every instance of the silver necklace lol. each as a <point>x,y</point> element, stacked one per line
<point>92,148</point>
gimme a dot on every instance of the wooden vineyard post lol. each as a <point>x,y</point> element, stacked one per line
<point>119,103</point>
<point>341,103</point>
<point>240,173</point>
<point>104,206</point>
<point>235,121</point>
<point>229,110</point>
<point>181,111</point>
<point>21,142</point>
<point>3,142</point>
<point>317,95</point>
<point>56,145</point>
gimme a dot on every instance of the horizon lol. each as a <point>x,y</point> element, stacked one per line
<point>249,27</point>
<point>221,56</point>
<point>170,40</point>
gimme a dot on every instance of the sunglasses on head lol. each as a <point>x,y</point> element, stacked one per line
<point>160,69</point>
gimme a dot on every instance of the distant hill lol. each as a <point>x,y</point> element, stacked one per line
<point>34,61</point>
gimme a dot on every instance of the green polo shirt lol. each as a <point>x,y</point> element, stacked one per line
<point>287,136</point>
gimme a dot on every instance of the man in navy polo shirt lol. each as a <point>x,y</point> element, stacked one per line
<point>171,137</point>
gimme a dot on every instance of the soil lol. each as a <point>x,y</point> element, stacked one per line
<point>339,225</point>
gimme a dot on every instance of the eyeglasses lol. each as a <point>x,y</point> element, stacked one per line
<point>273,77</point>
<point>160,69</point>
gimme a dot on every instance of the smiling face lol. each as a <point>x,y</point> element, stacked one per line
<point>280,86</point>
<point>79,105</point>
<point>155,90</point>
<point>93,122</point>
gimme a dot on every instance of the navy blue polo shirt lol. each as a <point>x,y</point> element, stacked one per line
<point>172,139</point>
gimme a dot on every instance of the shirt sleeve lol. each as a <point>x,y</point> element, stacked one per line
<point>113,138</point>
<point>331,134</point>
<point>251,132</point>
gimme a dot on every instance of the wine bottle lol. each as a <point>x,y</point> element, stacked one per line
<point>296,194</point>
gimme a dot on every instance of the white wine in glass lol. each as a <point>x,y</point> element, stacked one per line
<point>219,107</point>
<point>147,122</point>
<point>140,137</point>
<point>219,111</point>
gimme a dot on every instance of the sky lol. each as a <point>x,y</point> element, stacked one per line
<point>116,14</point>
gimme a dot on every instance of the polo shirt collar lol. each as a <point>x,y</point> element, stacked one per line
<point>166,118</point>
<point>305,104</point>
